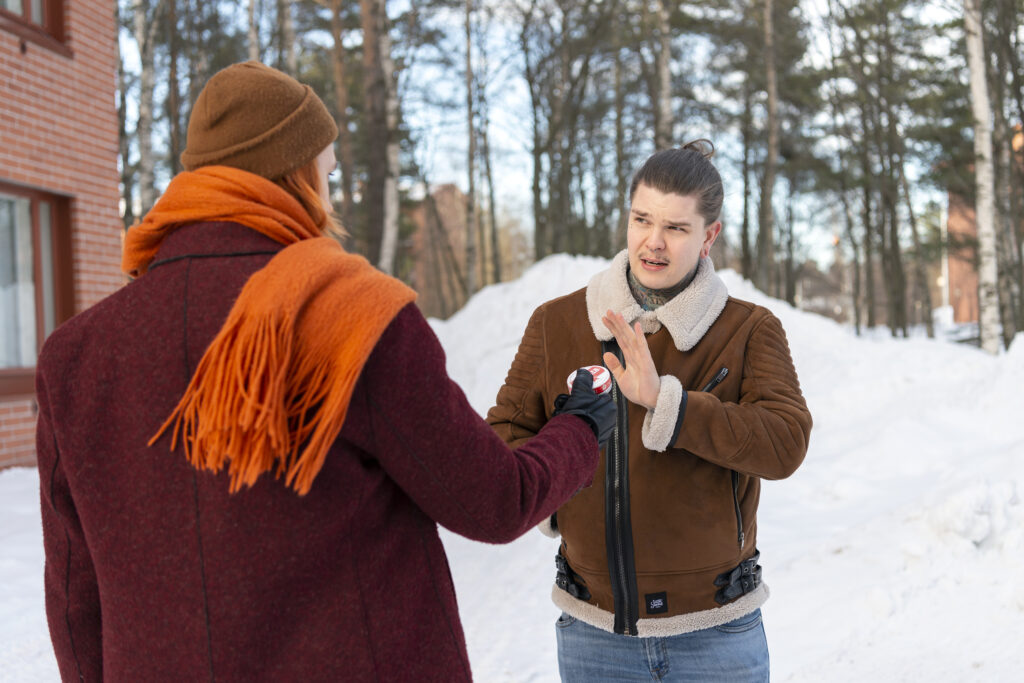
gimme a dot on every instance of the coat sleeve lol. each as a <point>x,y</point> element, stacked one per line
<point>72,592</point>
<point>519,411</point>
<point>447,459</point>
<point>766,433</point>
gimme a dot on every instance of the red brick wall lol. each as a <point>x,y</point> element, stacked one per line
<point>58,133</point>
<point>17,433</point>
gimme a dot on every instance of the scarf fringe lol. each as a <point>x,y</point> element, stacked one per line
<point>253,403</point>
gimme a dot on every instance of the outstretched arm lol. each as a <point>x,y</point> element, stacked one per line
<point>448,460</point>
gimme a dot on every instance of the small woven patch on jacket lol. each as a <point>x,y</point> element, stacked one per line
<point>657,603</point>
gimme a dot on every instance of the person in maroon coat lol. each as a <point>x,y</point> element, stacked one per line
<point>244,453</point>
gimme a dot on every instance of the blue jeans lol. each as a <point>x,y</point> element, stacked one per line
<point>736,652</point>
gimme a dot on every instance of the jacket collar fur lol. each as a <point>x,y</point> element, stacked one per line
<point>687,316</point>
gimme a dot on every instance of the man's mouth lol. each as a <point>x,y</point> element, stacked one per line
<point>653,263</point>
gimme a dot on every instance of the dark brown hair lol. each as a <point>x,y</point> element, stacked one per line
<point>685,171</point>
<point>302,184</point>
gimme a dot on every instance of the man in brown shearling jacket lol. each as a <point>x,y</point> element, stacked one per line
<point>658,568</point>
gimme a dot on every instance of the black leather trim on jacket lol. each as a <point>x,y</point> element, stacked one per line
<point>679,418</point>
<point>618,525</point>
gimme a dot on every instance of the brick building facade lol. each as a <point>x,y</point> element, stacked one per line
<point>60,234</point>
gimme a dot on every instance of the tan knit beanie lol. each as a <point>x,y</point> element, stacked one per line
<point>258,119</point>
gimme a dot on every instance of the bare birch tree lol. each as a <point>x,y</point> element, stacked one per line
<point>340,71</point>
<point>766,230</point>
<point>664,120</point>
<point>389,238</point>
<point>376,131</point>
<point>988,304</point>
<point>124,142</point>
<point>253,32</point>
<point>288,59</point>
<point>145,25</point>
<point>471,226</point>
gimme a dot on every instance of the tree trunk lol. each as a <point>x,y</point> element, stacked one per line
<point>663,130</point>
<point>896,278</point>
<point>988,304</point>
<point>852,239</point>
<point>1008,265</point>
<point>375,118</point>
<point>471,226</point>
<point>288,58</point>
<point>345,154</point>
<point>766,228</point>
<point>920,276</point>
<point>561,158</point>
<point>253,40</point>
<point>492,211</point>
<point>869,234</point>
<point>144,30</point>
<point>789,279</point>
<point>621,170</point>
<point>173,95</point>
<point>124,145</point>
<point>389,238</point>
<point>747,132</point>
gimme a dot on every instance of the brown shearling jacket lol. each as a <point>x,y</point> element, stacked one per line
<point>691,487</point>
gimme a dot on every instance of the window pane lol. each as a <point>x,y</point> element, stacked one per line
<point>17,292</point>
<point>46,268</point>
<point>37,12</point>
<point>12,6</point>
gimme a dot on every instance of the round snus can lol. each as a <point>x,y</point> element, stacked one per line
<point>602,378</point>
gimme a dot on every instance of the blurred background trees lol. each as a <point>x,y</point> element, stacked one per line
<point>478,136</point>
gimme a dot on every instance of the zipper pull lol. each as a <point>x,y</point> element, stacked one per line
<point>716,380</point>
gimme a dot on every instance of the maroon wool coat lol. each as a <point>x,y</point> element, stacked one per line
<point>155,573</point>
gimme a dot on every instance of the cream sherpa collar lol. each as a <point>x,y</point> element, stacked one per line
<point>687,316</point>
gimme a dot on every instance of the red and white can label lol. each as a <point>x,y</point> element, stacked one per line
<point>602,378</point>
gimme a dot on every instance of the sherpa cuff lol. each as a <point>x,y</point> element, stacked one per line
<point>661,425</point>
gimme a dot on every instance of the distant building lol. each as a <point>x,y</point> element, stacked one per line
<point>961,268</point>
<point>962,228</point>
<point>59,226</point>
<point>438,247</point>
<point>437,251</point>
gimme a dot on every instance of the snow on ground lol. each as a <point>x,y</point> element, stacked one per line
<point>893,554</point>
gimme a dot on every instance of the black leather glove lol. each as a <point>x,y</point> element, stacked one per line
<point>597,409</point>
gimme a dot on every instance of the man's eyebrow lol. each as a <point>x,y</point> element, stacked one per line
<point>681,223</point>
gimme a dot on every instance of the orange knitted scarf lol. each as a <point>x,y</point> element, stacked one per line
<point>273,388</point>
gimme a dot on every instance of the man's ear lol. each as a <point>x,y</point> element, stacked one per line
<point>710,234</point>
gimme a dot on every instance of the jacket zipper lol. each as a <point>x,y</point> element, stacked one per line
<point>716,380</point>
<point>740,538</point>
<point>619,531</point>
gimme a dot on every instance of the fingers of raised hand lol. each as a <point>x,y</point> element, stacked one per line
<point>612,363</point>
<point>616,324</point>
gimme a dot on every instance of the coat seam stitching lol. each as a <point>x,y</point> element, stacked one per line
<point>67,567</point>
<point>195,483</point>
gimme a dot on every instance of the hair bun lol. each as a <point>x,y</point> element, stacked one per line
<point>705,147</point>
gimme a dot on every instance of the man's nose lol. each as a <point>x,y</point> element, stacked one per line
<point>656,239</point>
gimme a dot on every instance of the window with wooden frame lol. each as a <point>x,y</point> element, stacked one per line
<point>38,21</point>
<point>36,291</point>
